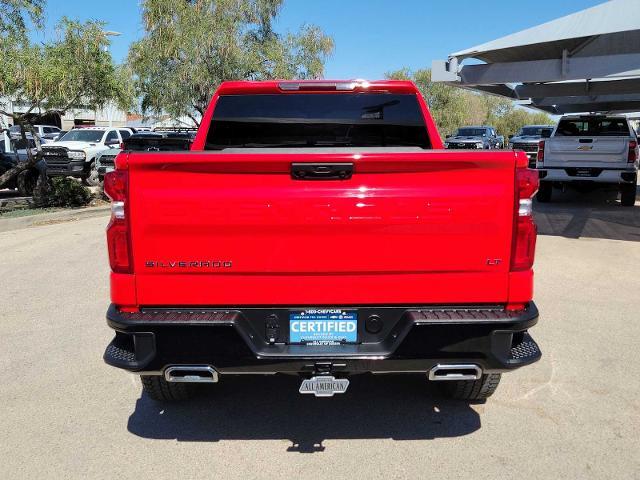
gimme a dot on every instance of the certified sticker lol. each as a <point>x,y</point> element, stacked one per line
<point>323,326</point>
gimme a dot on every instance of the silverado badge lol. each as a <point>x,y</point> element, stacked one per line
<point>188,264</point>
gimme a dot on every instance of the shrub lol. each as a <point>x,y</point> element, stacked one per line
<point>67,192</point>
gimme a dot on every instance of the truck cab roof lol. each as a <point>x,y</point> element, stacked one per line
<point>310,86</point>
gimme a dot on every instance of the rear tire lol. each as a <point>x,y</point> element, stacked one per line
<point>162,391</point>
<point>628,194</point>
<point>544,192</point>
<point>92,179</point>
<point>471,389</point>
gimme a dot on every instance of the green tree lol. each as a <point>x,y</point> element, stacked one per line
<point>190,47</point>
<point>14,15</point>
<point>453,107</point>
<point>448,105</point>
<point>75,69</point>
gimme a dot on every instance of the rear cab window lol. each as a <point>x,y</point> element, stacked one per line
<point>83,135</point>
<point>317,120</point>
<point>471,132</point>
<point>593,127</point>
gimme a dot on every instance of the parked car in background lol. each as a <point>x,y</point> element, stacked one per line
<point>46,133</point>
<point>589,149</point>
<point>189,130</point>
<point>474,138</point>
<point>500,141</point>
<point>18,144</point>
<point>156,141</point>
<point>105,161</point>
<point>160,141</point>
<point>9,158</point>
<point>13,150</point>
<point>60,134</point>
<point>527,140</point>
<point>75,153</point>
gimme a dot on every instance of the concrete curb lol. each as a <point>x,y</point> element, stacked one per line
<point>71,215</point>
<point>11,203</point>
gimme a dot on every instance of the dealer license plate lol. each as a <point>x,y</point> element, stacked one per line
<point>323,326</point>
<point>584,172</point>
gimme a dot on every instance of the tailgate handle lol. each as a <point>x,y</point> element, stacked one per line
<point>321,171</point>
<point>586,140</point>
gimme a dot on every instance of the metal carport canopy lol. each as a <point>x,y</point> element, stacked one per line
<point>588,61</point>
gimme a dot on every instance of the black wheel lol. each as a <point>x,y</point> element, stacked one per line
<point>162,391</point>
<point>471,389</point>
<point>628,194</point>
<point>544,192</point>
<point>92,178</point>
<point>26,182</point>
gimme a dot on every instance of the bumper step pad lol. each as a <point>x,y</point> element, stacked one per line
<point>130,351</point>
<point>526,349</point>
<point>119,354</point>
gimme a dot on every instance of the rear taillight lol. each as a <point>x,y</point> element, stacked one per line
<point>525,232</point>
<point>540,157</point>
<point>633,151</point>
<point>116,187</point>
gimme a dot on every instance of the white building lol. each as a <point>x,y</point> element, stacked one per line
<point>110,115</point>
<point>158,121</point>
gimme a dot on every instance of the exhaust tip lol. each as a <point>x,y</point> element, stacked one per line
<point>455,372</point>
<point>191,374</point>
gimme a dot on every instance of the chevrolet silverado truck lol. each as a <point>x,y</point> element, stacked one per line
<point>474,138</point>
<point>527,139</point>
<point>586,150</point>
<point>319,229</point>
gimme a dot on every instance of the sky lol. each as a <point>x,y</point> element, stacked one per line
<point>371,36</point>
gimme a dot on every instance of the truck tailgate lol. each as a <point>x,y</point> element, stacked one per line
<point>217,228</point>
<point>592,151</point>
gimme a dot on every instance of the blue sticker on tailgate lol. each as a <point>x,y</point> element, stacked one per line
<point>322,326</point>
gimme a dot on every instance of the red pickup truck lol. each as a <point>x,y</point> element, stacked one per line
<point>318,228</point>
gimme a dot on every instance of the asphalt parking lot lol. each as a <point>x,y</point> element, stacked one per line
<point>575,414</point>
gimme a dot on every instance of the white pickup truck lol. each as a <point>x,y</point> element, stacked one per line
<point>589,148</point>
<point>74,154</point>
